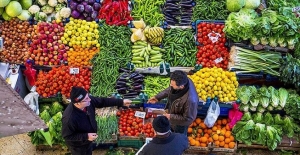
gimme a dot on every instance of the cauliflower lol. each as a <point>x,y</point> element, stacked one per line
<point>34,9</point>
<point>40,16</point>
<point>58,7</point>
<point>65,12</point>
<point>52,3</point>
<point>57,16</point>
<point>42,2</point>
<point>62,1</point>
<point>47,9</point>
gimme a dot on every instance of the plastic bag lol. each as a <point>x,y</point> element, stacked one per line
<point>32,100</point>
<point>213,113</point>
<point>234,115</point>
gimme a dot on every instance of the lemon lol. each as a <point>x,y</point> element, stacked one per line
<point>215,88</point>
<point>216,92</point>
<point>208,88</point>
<point>218,84</point>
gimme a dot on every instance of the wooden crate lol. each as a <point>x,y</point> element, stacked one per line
<point>286,144</point>
<point>196,150</point>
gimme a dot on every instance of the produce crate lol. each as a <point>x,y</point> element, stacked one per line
<point>223,111</point>
<point>206,21</point>
<point>196,150</point>
<point>57,98</point>
<point>157,105</point>
<point>215,149</point>
<point>135,143</point>
<point>170,69</point>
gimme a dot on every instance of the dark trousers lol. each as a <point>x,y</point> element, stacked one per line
<point>180,129</point>
<point>81,150</point>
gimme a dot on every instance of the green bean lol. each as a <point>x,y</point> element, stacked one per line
<point>155,84</point>
<point>210,10</point>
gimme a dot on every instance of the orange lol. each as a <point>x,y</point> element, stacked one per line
<point>204,139</point>
<point>217,143</point>
<point>202,125</point>
<point>210,139</point>
<point>227,140</point>
<point>222,144</point>
<point>223,132</point>
<point>214,128</point>
<point>221,138</point>
<point>231,138</point>
<point>227,127</point>
<point>226,146</point>
<point>231,145</point>
<point>227,134</point>
<point>203,144</point>
<point>206,135</point>
<point>197,143</point>
<point>209,131</point>
<point>193,142</point>
<point>224,121</point>
<point>219,122</point>
<point>199,131</point>
<point>198,120</point>
<point>215,137</point>
<point>190,130</point>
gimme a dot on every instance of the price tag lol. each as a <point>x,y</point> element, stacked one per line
<point>74,70</point>
<point>213,36</point>
<point>296,9</point>
<point>218,60</point>
<point>1,43</point>
<point>140,114</point>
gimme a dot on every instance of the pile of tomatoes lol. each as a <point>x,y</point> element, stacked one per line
<point>59,79</point>
<point>130,125</point>
<point>211,51</point>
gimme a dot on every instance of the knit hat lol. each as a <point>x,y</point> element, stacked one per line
<point>161,125</point>
<point>77,94</point>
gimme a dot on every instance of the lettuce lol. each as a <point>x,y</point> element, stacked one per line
<point>258,117</point>
<point>274,96</point>
<point>273,138</point>
<point>55,108</point>
<point>283,95</point>
<point>288,127</point>
<point>259,134</point>
<point>246,116</point>
<point>278,120</point>
<point>234,5</point>
<point>268,119</point>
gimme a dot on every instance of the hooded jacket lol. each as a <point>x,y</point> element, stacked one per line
<point>184,109</point>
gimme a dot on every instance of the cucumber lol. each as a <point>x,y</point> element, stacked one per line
<point>137,58</point>
<point>156,60</point>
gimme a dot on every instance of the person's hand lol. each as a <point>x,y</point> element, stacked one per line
<point>127,102</point>
<point>152,100</point>
<point>92,136</point>
<point>167,115</point>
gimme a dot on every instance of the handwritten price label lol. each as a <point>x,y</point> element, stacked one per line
<point>140,114</point>
<point>74,70</point>
<point>296,9</point>
<point>218,60</point>
<point>1,43</point>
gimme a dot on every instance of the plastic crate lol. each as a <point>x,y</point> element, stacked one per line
<point>56,98</point>
<point>223,111</point>
<point>157,105</point>
<point>206,21</point>
<point>130,143</point>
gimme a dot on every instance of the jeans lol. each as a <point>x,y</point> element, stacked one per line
<point>82,150</point>
<point>180,129</point>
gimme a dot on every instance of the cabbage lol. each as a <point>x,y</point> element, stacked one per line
<point>3,3</point>
<point>1,10</point>
<point>13,9</point>
<point>234,5</point>
<point>6,16</point>
<point>25,15</point>
<point>252,4</point>
<point>25,4</point>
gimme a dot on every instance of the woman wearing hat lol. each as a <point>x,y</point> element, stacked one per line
<point>165,142</point>
<point>79,126</point>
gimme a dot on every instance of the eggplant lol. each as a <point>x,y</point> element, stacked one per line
<point>139,80</point>
<point>138,87</point>
<point>172,1</point>
<point>171,19</point>
<point>122,89</point>
<point>119,86</point>
<point>172,8</point>
<point>131,94</point>
<point>140,76</point>
<point>125,79</point>
<point>122,70</point>
<point>132,75</point>
<point>171,5</point>
<point>122,83</point>
<point>186,1</point>
<point>186,5</point>
<point>130,91</point>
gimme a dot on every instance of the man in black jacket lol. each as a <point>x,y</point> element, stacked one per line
<point>79,126</point>
<point>165,142</point>
<point>182,101</point>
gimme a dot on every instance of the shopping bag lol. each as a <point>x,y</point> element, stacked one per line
<point>212,115</point>
<point>234,115</point>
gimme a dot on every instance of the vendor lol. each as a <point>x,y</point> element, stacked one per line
<point>79,126</point>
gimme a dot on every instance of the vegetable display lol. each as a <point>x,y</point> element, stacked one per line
<point>220,134</point>
<point>115,12</point>
<point>59,79</point>
<point>107,124</point>
<point>180,47</point>
<point>155,84</point>
<point>289,71</point>
<point>81,32</point>
<point>178,12</point>
<point>115,52</point>
<point>47,47</point>
<point>145,55</point>
<point>16,35</point>
<point>262,99</point>
<point>129,84</point>
<point>247,61</point>
<point>210,10</point>
<point>211,82</point>
<point>212,51</point>
<point>235,5</point>
<point>276,4</point>
<point>292,106</point>
<point>266,130</point>
<point>85,10</point>
<point>149,11</point>
<point>19,9</point>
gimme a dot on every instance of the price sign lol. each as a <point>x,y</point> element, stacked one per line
<point>140,114</point>
<point>74,70</point>
<point>218,60</point>
<point>296,9</point>
<point>1,43</point>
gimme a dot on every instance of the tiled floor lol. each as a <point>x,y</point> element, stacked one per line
<point>21,145</point>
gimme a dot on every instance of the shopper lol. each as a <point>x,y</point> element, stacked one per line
<point>165,142</point>
<point>79,127</point>
<point>182,101</point>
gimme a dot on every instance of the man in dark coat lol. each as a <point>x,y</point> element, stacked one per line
<point>165,142</point>
<point>79,126</point>
<point>182,101</point>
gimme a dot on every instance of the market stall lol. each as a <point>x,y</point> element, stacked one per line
<point>241,55</point>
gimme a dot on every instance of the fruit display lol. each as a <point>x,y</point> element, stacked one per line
<point>82,33</point>
<point>130,125</point>
<point>154,35</point>
<point>178,12</point>
<point>79,56</point>
<point>220,134</point>
<point>145,55</point>
<point>17,36</point>
<point>211,82</point>
<point>129,84</point>
<point>59,79</point>
<point>212,51</point>
<point>85,10</point>
<point>47,47</point>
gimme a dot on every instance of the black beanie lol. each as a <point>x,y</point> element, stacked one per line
<point>77,94</point>
<point>161,124</point>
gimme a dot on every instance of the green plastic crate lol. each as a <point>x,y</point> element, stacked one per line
<point>135,143</point>
<point>57,98</point>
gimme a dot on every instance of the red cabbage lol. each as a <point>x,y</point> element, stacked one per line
<point>73,5</point>
<point>80,8</point>
<point>94,14</point>
<point>91,2</point>
<point>96,6</point>
<point>85,14</point>
<point>75,14</point>
<point>81,17</point>
<point>89,19</point>
<point>84,3</point>
<point>88,9</point>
